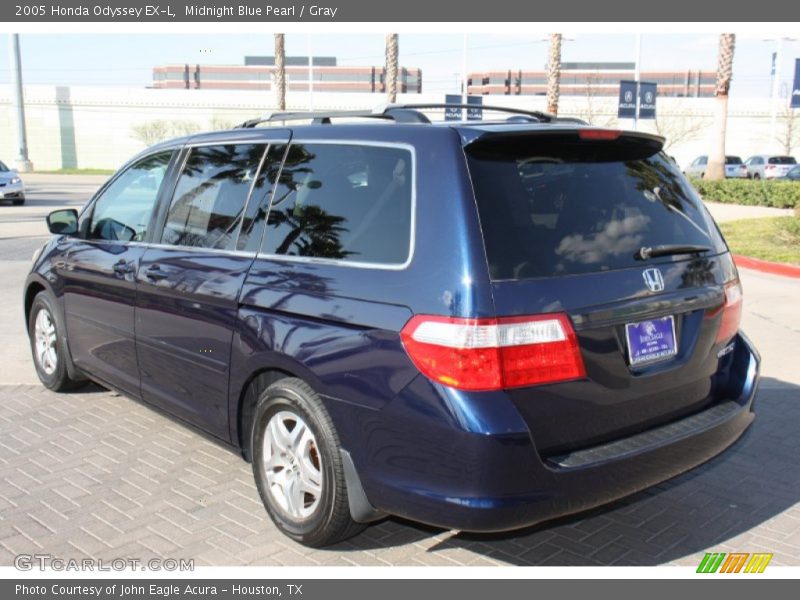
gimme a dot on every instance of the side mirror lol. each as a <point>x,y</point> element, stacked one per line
<point>63,222</point>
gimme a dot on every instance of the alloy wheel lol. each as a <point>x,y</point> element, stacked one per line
<point>293,465</point>
<point>46,341</point>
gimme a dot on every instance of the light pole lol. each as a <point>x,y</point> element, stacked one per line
<point>636,75</point>
<point>776,82</point>
<point>310,74</point>
<point>23,164</point>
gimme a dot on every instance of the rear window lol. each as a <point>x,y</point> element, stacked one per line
<point>550,207</point>
<point>733,160</point>
<point>782,160</point>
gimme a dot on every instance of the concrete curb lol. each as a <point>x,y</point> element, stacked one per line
<point>766,266</point>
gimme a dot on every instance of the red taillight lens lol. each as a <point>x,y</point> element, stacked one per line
<point>493,354</point>
<point>769,167</point>
<point>599,134</point>
<point>731,312</point>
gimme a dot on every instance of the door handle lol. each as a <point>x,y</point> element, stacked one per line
<point>122,267</point>
<point>154,272</point>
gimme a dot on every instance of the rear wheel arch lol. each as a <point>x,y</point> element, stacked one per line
<point>248,399</point>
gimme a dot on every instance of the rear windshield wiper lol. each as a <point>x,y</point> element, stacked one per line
<point>648,252</point>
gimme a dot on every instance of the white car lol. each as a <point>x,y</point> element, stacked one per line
<point>11,186</point>
<point>734,168</point>
<point>765,166</point>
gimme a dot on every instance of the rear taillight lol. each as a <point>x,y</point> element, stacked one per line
<point>493,354</point>
<point>731,312</point>
<point>769,167</point>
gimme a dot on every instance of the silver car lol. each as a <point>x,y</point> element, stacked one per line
<point>734,167</point>
<point>11,186</point>
<point>766,166</point>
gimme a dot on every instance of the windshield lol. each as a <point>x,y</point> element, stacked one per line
<point>548,209</point>
<point>782,160</point>
<point>733,160</point>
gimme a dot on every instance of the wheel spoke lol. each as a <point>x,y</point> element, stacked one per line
<point>279,435</point>
<point>273,462</point>
<point>310,481</point>
<point>300,435</point>
<point>294,495</point>
<point>43,358</point>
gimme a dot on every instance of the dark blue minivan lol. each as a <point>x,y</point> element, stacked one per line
<point>478,325</point>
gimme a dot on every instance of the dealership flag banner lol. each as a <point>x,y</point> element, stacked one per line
<point>627,100</point>
<point>450,113</point>
<point>473,113</point>
<point>795,101</point>
<point>647,100</point>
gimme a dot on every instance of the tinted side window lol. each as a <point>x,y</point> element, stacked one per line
<point>343,201</point>
<point>255,217</point>
<point>122,212</point>
<point>210,196</point>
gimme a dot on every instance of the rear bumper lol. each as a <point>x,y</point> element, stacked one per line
<point>481,481</point>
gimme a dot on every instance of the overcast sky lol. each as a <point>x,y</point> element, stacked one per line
<point>127,60</point>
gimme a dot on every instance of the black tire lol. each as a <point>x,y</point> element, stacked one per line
<point>57,378</point>
<point>18,201</point>
<point>756,176</point>
<point>330,521</point>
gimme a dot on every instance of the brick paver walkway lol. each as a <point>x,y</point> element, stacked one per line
<point>96,474</point>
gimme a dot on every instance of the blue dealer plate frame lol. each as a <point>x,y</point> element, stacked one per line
<point>650,341</point>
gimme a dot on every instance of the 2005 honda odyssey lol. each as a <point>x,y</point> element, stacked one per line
<point>477,325</point>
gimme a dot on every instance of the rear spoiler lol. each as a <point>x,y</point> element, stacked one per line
<point>613,144</point>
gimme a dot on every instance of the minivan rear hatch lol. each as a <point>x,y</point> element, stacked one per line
<point>601,225</point>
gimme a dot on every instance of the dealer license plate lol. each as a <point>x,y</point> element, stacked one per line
<point>652,340</point>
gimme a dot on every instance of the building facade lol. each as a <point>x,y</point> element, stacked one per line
<point>257,73</point>
<point>592,79</point>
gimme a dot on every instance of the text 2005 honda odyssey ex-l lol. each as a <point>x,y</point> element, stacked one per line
<point>475,325</point>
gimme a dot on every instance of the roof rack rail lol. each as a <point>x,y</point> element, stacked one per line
<point>399,113</point>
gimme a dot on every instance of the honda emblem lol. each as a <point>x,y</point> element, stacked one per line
<point>653,280</point>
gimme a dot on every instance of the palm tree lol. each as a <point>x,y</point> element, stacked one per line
<point>716,158</point>
<point>391,67</point>
<point>553,73</point>
<point>280,72</point>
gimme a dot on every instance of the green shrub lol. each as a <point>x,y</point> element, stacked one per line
<point>753,192</point>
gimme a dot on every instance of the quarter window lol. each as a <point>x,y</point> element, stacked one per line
<point>211,195</point>
<point>342,201</point>
<point>123,210</point>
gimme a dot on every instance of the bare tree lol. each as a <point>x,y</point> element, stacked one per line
<point>280,72</point>
<point>391,67</point>
<point>152,132</point>
<point>716,158</point>
<point>789,133</point>
<point>553,73</point>
<point>591,112</point>
<point>677,128</point>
